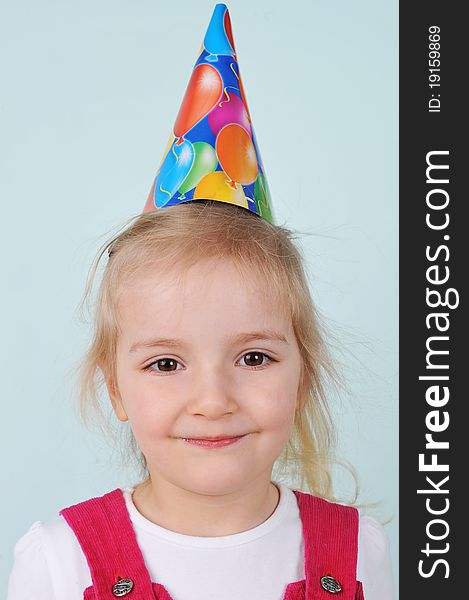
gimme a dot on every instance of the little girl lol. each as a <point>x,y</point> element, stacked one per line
<point>209,345</point>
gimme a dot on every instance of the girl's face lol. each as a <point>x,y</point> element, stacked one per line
<point>207,359</point>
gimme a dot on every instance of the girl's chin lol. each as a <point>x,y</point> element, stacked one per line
<point>207,482</point>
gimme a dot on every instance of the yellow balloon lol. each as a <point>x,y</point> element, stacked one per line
<point>218,186</point>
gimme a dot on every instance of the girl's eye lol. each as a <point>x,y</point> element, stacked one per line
<point>256,359</point>
<point>163,365</point>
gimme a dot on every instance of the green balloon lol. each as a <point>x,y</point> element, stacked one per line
<point>205,162</point>
<point>262,198</point>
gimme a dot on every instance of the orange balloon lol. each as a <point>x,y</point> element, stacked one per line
<point>202,94</point>
<point>237,154</point>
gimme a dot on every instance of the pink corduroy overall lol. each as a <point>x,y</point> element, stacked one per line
<point>107,537</point>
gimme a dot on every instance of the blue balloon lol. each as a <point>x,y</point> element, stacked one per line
<point>173,171</point>
<point>216,41</point>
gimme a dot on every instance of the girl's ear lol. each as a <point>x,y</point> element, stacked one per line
<point>116,400</point>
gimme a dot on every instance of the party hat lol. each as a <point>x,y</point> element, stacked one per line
<point>212,153</point>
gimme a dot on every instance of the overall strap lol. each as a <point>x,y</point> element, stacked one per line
<point>330,534</point>
<point>106,536</point>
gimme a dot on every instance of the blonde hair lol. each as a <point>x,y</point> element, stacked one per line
<point>176,238</point>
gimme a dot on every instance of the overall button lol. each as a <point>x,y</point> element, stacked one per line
<point>330,584</point>
<point>123,587</point>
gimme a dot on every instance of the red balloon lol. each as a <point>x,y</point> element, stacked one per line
<point>237,154</point>
<point>202,94</point>
<point>228,30</point>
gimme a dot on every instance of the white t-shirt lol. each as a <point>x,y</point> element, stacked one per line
<point>50,565</point>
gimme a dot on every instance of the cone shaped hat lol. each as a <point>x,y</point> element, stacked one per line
<point>212,153</point>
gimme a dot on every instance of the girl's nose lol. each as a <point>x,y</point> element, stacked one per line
<point>211,394</point>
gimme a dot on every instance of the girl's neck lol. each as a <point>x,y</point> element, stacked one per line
<point>199,515</point>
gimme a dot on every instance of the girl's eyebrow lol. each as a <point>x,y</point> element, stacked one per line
<point>240,338</point>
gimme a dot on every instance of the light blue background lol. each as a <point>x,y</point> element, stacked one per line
<point>90,91</point>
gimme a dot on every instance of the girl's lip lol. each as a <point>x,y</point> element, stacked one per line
<point>214,443</point>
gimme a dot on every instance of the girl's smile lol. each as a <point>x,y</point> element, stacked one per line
<point>211,443</point>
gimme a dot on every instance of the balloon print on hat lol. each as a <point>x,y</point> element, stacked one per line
<point>202,94</point>
<point>217,186</point>
<point>237,154</point>
<point>219,37</point>
<point>262,197</point>
<point>229,110</point>
<point>205,162</point>
<point>150,203</point>
<point>174,169</point>
<point>228,30</point>
<point>235,69</point>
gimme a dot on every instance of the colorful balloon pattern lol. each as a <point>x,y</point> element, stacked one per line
<point>213,153</point>
<point>205,161</point>
<point>217,186</point>
<point>202,94</point>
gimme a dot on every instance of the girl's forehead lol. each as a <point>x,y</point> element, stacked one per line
<point>203,274</point>
<point>204,286</point>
